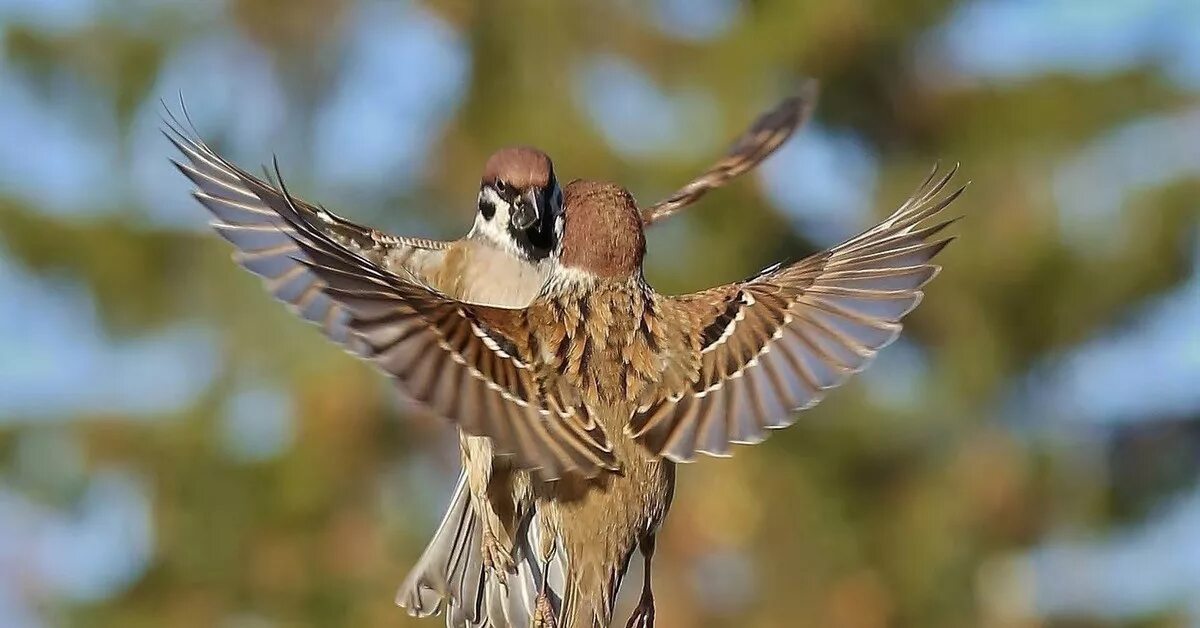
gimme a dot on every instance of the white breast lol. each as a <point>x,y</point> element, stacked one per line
<point>496,277</point>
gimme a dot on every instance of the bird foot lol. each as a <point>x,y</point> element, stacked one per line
<point>543,612</point>
<point>496,557</point>
<point>643,615</point>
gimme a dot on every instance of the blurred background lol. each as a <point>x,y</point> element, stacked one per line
<point>178,450</point>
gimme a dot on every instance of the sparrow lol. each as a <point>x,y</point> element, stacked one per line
<point>601,385</point>
<point>502,261</point>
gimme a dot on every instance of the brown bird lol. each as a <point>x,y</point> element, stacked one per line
<point>502,262</point>
<point>601,384</point>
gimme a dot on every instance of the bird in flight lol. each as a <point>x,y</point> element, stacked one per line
<point>502,261</point>
<point>600,385</point>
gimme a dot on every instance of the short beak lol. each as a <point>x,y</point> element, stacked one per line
<point>528,211</point>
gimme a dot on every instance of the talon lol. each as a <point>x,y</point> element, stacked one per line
<point>643,615</point>
<point>496,558</point>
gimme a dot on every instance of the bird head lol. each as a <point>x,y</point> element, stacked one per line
<point>600,232</point>
<point>519,200</point>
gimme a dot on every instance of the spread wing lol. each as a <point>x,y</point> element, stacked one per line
<point>772,345</point>
<point>470,364</point>
<point>762,139</point>
<point>241,208</point>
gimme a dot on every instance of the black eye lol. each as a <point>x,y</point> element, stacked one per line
<point>486,208</point>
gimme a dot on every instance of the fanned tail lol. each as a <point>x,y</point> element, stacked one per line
<point>450,571</point>
<point>523,590</point>
<point>512,604</point>
<point>450,575</point>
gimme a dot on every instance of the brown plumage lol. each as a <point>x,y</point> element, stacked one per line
<point>476,269</point>
<point>604,382</point>
<point>518,166</point>
<point>605,244</point>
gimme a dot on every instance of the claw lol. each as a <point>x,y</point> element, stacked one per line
<point>543,612</point>
<point>496,557</point>
<point>643,615</point>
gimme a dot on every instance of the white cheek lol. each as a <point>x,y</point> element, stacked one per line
<point>502,207</point>
<point>495,228</point>
<point>502,216</point>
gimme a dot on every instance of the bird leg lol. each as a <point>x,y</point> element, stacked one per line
<point>543,607</point>
<point>492,501</point>
<point>643,615</point>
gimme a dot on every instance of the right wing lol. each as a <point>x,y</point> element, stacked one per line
<point>773,345</point>
<point>241,207</point>
<point>760,141</point>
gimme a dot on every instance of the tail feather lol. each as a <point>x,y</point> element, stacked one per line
<point>450,571</point>
<point>517,604</point>
<point>590,594</point>
<point>586,606</point>
<point>472,613</point>
<point>450,575</point>
<point>524,589</point>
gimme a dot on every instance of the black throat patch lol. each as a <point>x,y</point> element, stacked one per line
<point>536,242</point>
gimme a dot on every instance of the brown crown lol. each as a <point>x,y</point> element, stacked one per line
<point>602,229</point>
<point>519,166</point>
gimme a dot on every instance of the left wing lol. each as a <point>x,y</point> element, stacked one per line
<point>771,346</point>
<point>470,364</point>
<point>242,212</point>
